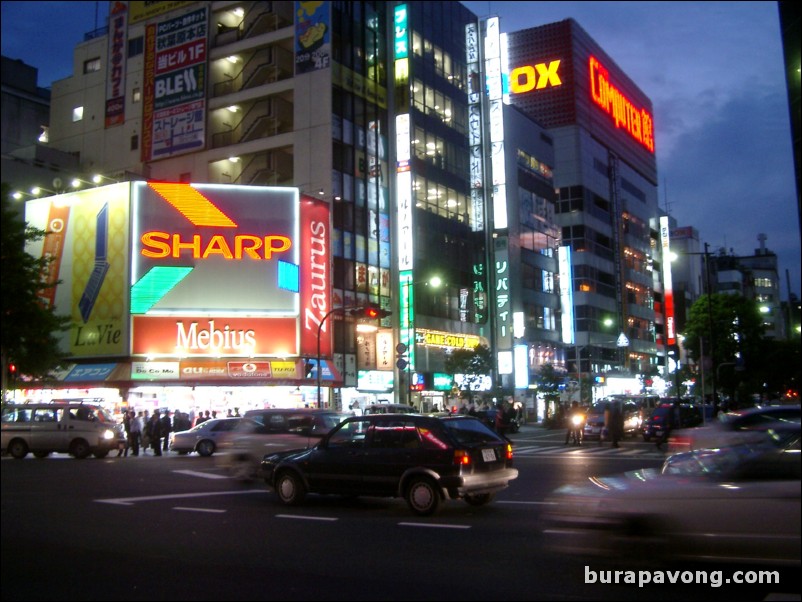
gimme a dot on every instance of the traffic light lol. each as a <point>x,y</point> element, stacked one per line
<point>373,312</point>
<point>12,372</point>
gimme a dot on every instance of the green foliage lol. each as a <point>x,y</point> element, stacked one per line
<point>29,332</point>
<point>473,363</point>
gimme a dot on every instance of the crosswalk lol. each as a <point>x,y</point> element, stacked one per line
<point>588,450</point>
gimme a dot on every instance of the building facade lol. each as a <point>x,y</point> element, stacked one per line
<point>395,116</point>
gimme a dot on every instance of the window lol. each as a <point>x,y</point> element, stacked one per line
<point>134,142</point>
<point>92,65</point>
<point>136,46</point>
<point>77,114</point>
<point>137,95</point>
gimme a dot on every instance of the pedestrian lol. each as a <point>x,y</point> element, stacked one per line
<point>614,421</point>
<point>144,420</point>
<point>154,432</point>
<point>122,446</point>
<point>135,432</point>
<point>166,427</point>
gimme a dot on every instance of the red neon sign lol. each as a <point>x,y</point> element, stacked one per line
<point>638,123</point>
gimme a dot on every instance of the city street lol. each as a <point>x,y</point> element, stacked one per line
<point>177,528</point>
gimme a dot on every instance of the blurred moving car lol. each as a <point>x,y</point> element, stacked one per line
<point>274,429</point>
<point>735,427</point>
<point>653,427</point>
<point>423,459</point>
<point>594,419</point>
<point>734,504</point>
<point>204,438</point>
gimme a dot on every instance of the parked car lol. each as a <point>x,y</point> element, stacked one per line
<point>275,429</point>
<point>731,504</point>
<point>424,459</point>
<point>654,426</point>
<point>735,427</point>
<point>594,419</point>
<point>204,438</point>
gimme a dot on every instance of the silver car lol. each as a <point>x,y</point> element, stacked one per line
<point>204,438</point>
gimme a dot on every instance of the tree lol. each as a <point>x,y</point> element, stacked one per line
<point>474,364</point>
<point>736,335</point>
<point>29,330</point>
<point>548,383</point>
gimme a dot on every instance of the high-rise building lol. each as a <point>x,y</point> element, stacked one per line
<point>606,174</point>
<point>392,118</point>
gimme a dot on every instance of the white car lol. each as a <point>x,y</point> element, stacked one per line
<point>204,438</point>
<point>744,508</point>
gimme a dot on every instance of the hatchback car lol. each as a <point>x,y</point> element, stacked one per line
<point>273,429</point>
<point>423,459</point>
<point>204,438</point>
<point>654,426</point>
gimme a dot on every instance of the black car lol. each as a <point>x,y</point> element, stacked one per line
<point>423,458</point>
<point>690,415</point>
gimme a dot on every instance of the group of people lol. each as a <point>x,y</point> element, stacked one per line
<point>144,430</point>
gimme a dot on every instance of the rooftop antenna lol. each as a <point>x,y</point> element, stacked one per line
<point>97,8</point>
<point>666,204</point>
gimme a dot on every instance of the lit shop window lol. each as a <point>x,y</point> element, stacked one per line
<point>92,65</point>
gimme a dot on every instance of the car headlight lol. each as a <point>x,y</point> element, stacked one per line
<point>108,434</point>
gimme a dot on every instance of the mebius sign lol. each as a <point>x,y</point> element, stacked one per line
<point>222,270</point>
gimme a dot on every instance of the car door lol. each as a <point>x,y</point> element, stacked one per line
<point>336,464</point>
<point>393,446</point>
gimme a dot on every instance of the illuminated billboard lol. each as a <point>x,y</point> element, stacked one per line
<point>167,270</point>
<point>88,247</point>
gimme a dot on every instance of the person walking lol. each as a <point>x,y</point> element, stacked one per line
<point>154,432</point>
<point>614,421</point>
<point>134,433</point>
<point>144,418</point>
<point>122,446</point>
<point>166,425</point>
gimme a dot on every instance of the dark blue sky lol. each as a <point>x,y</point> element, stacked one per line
<point>714,72</point>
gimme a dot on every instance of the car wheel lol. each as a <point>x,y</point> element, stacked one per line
<point>80,449</point>
<point>41,454</point>
<point>101,454</point>
<point>423,497</point>
<point>206,448</point>
<point>18,449</point>
<point>290,489</point>
<point>478,499</point>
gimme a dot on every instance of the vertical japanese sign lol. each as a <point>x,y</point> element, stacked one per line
<point>175,86</point>
<point>475,126</point>
<point>501,295</point>
<point>312,36</point>
<point>115,80</point>
<point>668,286</point>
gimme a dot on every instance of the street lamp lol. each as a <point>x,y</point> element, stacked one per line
<point>407,322</point>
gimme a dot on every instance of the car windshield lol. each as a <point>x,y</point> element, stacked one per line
<point>469,431</point>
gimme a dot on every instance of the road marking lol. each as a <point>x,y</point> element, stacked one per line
<point>184,509</point>
<point>526,503</point>
<point>300,517</point>
<point>130,501</point>
<point>205,475</point>
<point>435,526</point>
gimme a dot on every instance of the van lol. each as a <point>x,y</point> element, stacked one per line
<point>77,429</point>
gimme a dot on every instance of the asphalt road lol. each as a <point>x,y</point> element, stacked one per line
<point>177,528</point>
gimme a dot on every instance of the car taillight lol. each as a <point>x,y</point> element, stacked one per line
<point>509,451</point>
<point>462,457</point>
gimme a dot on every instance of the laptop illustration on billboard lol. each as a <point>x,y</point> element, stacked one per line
<point>98,274</point>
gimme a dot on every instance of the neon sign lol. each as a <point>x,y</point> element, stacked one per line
<point>638,123</point>
<point>162,244</point>
<point>534,77</point>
